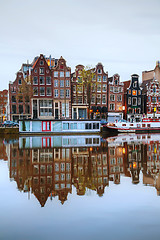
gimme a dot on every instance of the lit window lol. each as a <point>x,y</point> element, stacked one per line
<point>134,92</point>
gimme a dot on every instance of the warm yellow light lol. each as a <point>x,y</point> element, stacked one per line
<point>134,165</point>
<point>124,150</point>
<point>134,92</point>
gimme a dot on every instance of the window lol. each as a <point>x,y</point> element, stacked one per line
<point>20,99</point>
<point>99,78</point>
<point>134,101</point>
<point>67,93</point>
<point>119,98</point>
<point>61,74</point>
<point>99,88</point>
<point>99,71</point>
<point>129,100</point>
<point>149,99</point>
<point>79,89</point>
<point>79,99</point>
<point>35,80</point>
<point>103,99</point>
<point>139,92</point>
<point>49,91</point>
<point>45,107</point>
<point>14,109</point>
<point>74,89</point>
<point>139,101</point>
<point>41,62</point>
<point>112,106</point>
<point>111,88</point>
<point>46,125</point>
<point>65,110</point>
<point>20,109</point>
<point>93,87</point>
<point>129,91</point>
<point>35,91</point>
<point>67,83</point>
<point>154,99</point>
<point>41,80</point>
<point>55,83</point>
<point>134,92</point>
<point>116,89</point>
<point>27,109</point>
<point>135,84</point>
<point>62,93</point>
<point>13,99</point>
<point>42,91</point>
<point>104,78</point>
<point>48,80</point>
<point>61,83</point>
<point>93,99</point>
<point>67,74</point>
<point>104,89</point>
<point>99,99</point>
<point>41,70</point>
<point>56,93</point>
<point>56,74</point>
<point>112,97</point>
<point>19,81</point>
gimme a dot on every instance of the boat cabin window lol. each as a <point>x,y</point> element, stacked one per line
<point>88,126</point>
<point>123,124</point>
<point>143,125</point>
<point>131,124</point>
<point>95,125</point>
<point>148,125</point>
<point>138,125</point>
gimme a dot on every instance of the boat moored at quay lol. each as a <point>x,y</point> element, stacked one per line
<point>37,126</point>
<point>122,126</point>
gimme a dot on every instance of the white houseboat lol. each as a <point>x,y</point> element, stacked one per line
<point>58,126</point>
<point>122,126</point>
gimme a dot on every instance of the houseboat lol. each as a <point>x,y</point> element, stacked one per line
<point>38,126</point>
<point>122,126</point>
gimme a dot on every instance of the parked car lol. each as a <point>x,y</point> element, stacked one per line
<point>10,124</point>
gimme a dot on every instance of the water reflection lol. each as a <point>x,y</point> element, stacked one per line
<point>49,166</point>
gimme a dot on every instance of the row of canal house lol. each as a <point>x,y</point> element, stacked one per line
<point>46,89</point>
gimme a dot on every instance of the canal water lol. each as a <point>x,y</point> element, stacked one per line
<point>80,187</point>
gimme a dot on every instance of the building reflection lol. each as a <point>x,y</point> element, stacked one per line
<point>49,167</point>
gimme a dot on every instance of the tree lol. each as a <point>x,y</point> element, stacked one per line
<point>85,81</point>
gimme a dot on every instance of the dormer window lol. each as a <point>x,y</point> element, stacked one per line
<point>41,62</point>
<point>116,82</point>
<point>99,71</point>
<point>135,84</point>
<point>19,81</point>
<point>41,70</point>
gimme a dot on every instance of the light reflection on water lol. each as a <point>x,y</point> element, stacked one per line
<point>80,187</point>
